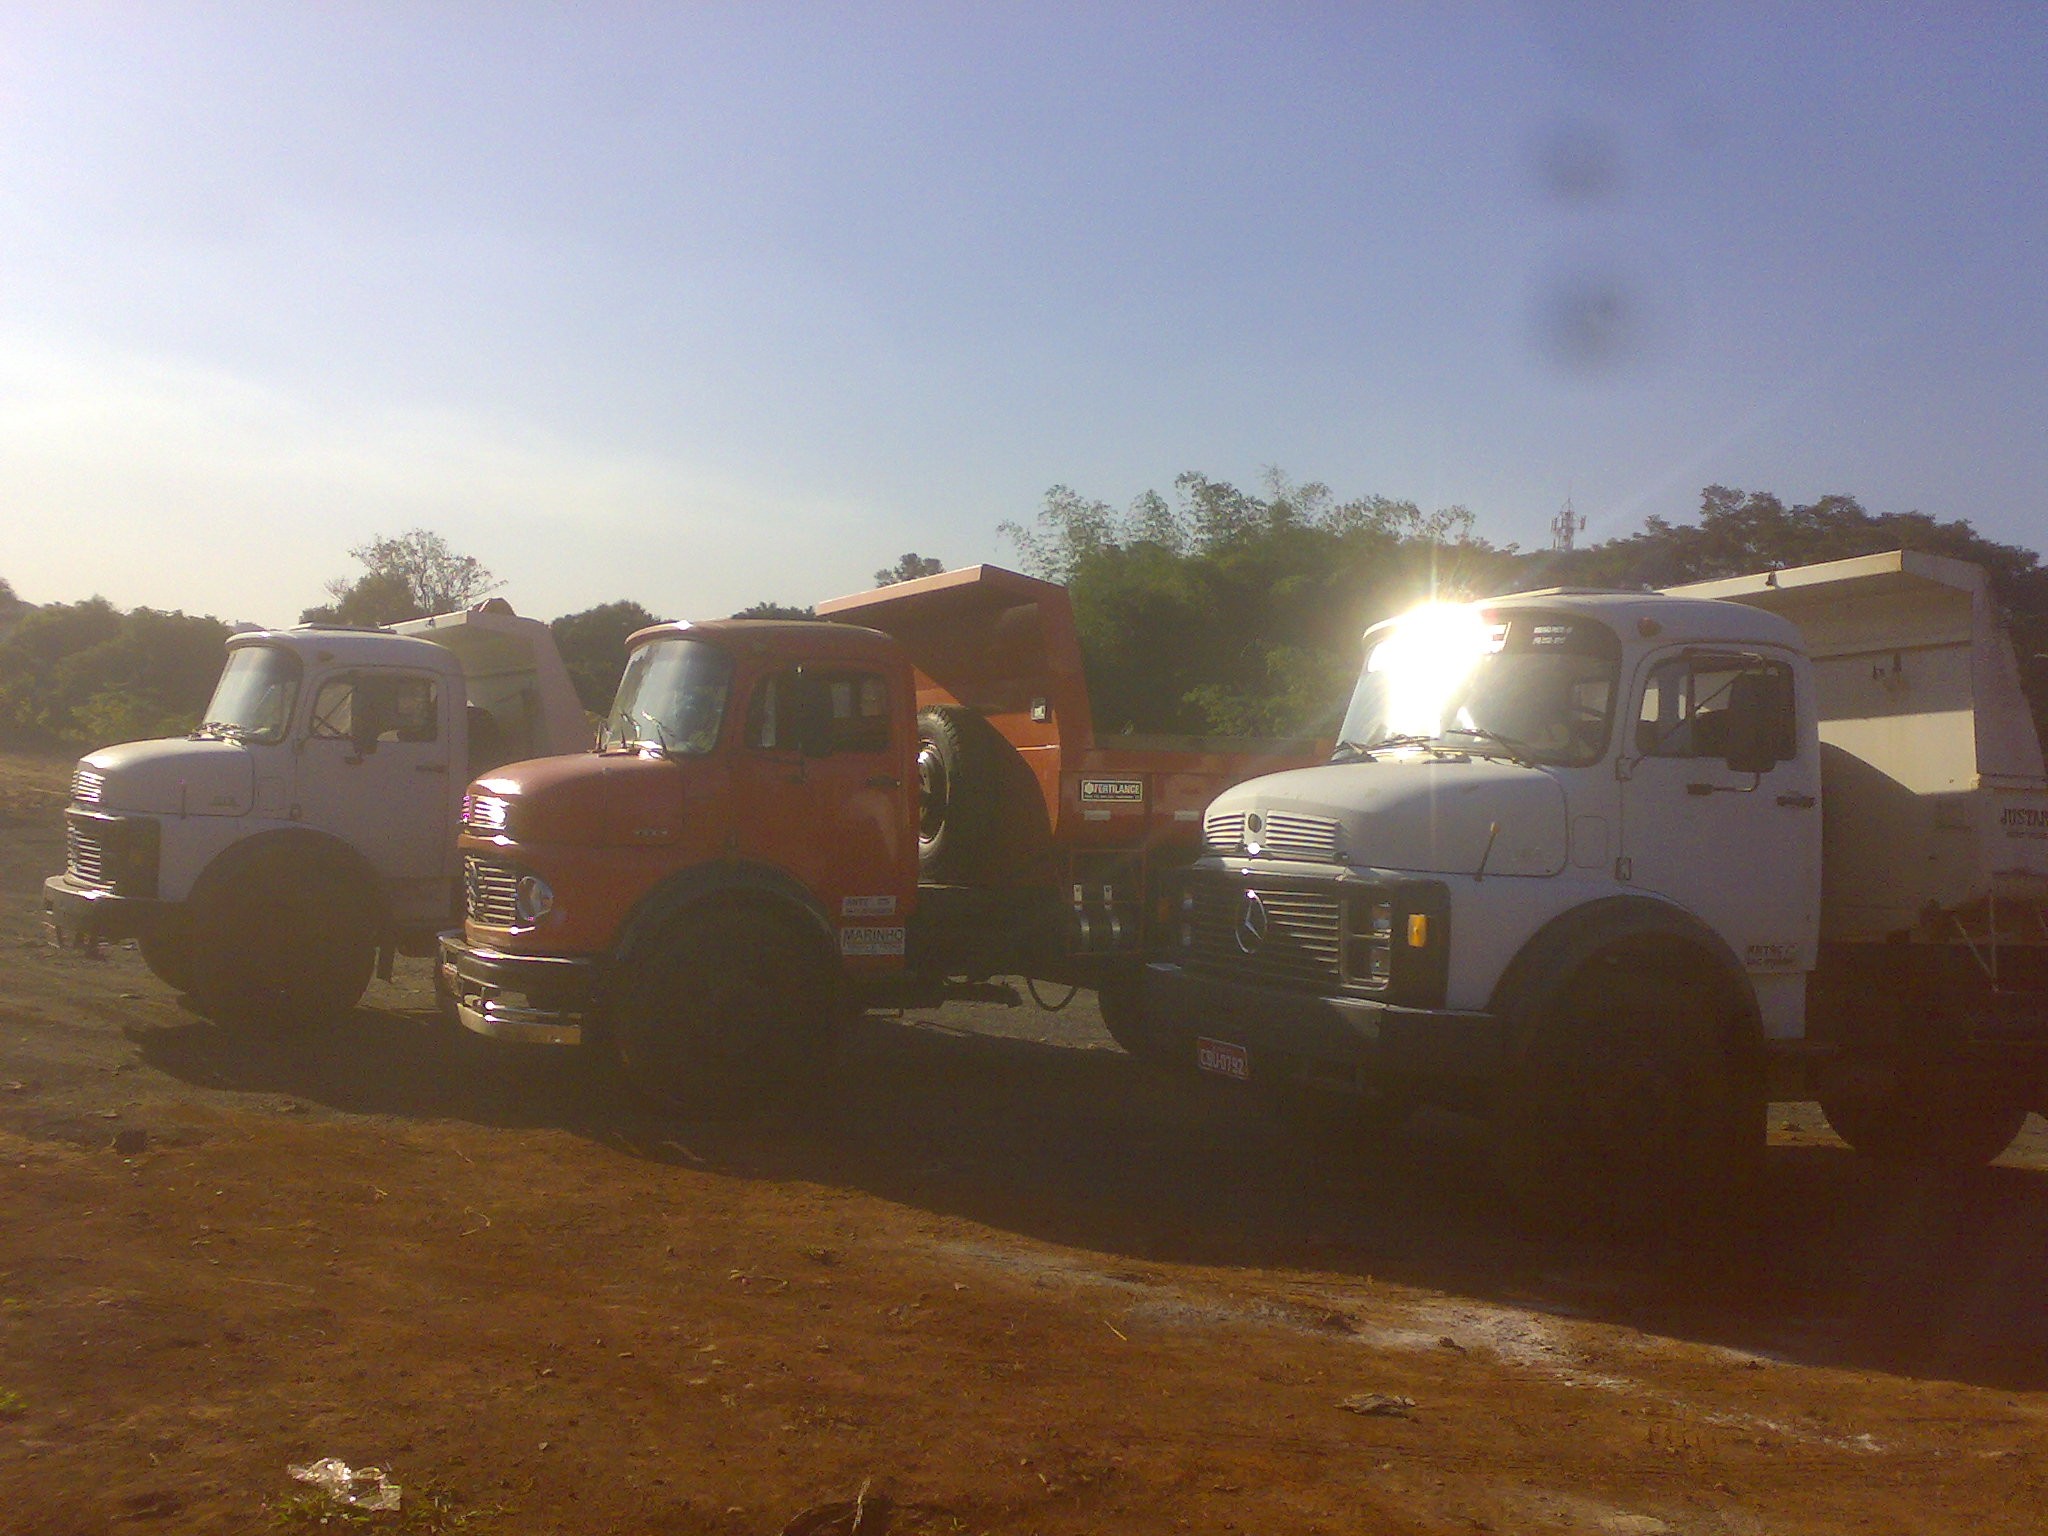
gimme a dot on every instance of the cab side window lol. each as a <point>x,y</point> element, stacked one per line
<point>852,709</point>
<point>772,716</point>
<point>366,707</point>
<point>860,712</point>
<point>1701,706</point>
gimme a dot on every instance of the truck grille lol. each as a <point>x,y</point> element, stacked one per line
<point>86,856</point>
<point>87,785</point>
<point>490,892</point>
<point>485,813</point>
<point>1294,938</point>
<point>1278,834</point>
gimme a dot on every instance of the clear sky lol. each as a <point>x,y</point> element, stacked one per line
<point>701,304</point>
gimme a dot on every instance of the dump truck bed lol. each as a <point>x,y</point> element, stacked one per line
<point>1935,801</point>
<point>514,674</point>
<point>1005,646</point>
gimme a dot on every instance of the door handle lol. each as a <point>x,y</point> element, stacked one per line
<point>884,781</point>
<point>1797,802</point>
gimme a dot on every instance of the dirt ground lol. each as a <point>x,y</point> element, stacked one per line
<point>1002,1280</point>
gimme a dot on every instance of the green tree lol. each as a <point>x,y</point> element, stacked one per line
<point>1739,532</point>
<point>907,568</point>
<point>406,576</point>
<point>775,611</point>
<point>1224,612</point>
<point>593,647</point>
<point>86,674</point>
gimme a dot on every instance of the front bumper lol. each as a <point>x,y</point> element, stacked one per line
<point>75,914</point>
<point>1333,1042</point>
<point>526,999</point>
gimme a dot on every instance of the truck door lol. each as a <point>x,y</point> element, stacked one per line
<point>1720,802</point>
<point>375,769</point>
<point>823,792</point>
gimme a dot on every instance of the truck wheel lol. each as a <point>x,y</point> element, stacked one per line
<point>169,958</point>
<point>721,1010</point>
<point>1122,1005</point>
<point>958,761</point>
<point>1626,1113</point>
<point>1925,1121</point>
<point>280,945</point>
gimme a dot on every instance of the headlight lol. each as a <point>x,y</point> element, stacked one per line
<point>532,899</point>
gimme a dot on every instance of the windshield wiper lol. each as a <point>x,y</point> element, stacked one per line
<point>1518,751</point>
<point>632,743</point>
<point>1362,751</point>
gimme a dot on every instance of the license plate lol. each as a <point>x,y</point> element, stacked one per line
<point>1224,1059</point>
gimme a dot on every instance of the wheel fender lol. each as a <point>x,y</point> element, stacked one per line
<point>294,848</point>
<point>726,880</point>
<point>1569,942</point>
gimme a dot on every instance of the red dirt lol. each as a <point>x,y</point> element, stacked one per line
<point>1001,1279</point>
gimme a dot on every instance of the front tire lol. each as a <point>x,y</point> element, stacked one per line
<point>720,1010</point>
<point>1629,1112</point>
<point>279,946</point>
<point>169,958</point>
<point>1121,1003</point>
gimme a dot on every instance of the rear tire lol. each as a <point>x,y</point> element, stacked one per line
<point>276,948</point>
<point>958,763</point>
<point>1925,1121</point>
<point>721,1010</point>
<point>1628,1112</point>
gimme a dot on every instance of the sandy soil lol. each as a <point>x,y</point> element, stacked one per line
<point>1003,1281</point>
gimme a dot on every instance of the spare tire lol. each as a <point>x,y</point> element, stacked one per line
<point>959,757</point>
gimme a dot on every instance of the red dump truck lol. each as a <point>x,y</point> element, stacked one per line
<point>888,807</point>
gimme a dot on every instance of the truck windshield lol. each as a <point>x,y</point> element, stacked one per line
<point>1520,683</point>
<point>671,698</point>
<point>254,697</point>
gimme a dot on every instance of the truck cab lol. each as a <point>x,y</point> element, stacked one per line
<point>730,746</point>
<point>1509,823</point>
<point>784,819</point>
<point>1566,868</point>
<point>308,824</point>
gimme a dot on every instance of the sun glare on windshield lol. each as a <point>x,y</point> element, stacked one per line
<point>1425,659</point>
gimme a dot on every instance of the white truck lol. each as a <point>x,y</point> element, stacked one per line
<point>1615,869</point>
<point>305,832</point>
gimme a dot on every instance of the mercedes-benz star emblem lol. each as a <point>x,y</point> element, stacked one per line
<point>1251,923</point>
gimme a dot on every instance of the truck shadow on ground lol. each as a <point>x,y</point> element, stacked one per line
<point>1849,1264</point>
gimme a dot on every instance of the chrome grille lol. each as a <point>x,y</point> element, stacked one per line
<point>1224,833</point>
<point>485,813</point>
<point>1285,936</point>
<point>1288,836</point>
<point>86,856</point>
<point>1277,834</point>
<point>87,785</point>
<point>490,892</point>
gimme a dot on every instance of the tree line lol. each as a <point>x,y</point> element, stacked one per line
<point>1211,610</point>
<point>1220,611</point>
<point>74,676</point>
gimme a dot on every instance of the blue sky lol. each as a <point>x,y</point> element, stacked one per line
<point>700,304</point>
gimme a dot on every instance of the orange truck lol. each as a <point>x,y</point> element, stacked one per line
<point>888,807</point>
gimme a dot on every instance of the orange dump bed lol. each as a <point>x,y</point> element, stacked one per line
<point>1004,645</point>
